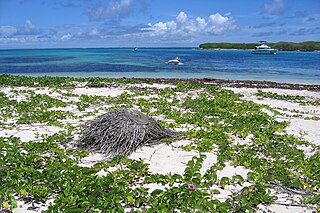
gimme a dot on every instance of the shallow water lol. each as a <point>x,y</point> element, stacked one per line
<point>295,67</point>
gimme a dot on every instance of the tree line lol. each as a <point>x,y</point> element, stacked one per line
<point>285,46</point>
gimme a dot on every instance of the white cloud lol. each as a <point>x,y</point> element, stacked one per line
<point>116,7</point>
<point>25,40</point>
<point>29,27</point>
<point>66,37</point>
<point>87,33</point>
<point>93,32</point>
<point>7,30</point>
<point>182,17</point>
<point>276,7</point>
<point>184,27</point>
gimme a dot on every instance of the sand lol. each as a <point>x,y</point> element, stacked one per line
<point>165,159</point>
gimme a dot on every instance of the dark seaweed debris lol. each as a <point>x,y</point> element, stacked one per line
<point>235,83</point>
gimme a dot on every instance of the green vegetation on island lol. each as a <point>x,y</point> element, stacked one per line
<point>285,46</point>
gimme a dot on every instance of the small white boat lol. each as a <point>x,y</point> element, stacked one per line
<point>135,49</point>
<point>175,60</point>
<point>263,48</point>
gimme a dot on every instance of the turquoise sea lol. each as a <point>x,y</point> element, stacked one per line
<point>294,67</point>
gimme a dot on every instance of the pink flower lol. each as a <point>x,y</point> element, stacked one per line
<point>191,186</point>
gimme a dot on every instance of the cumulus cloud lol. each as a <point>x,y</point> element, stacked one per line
<point>66,37</point>
<point>28,39</point>
<point>27,33</point>
<point>276,7</point>
<point>184,27</point>
<point>7,30</point>
<point>88,33</point>
<point>93,32</point>
<point>29,27</point>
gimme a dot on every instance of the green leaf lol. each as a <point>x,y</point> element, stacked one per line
<point>73,209</point>
<point>224,181</point>
<point>156,192</point>
<point>130,199</point>
<point>85,204</point>
<point>222,209</point>
<point>23,192</point>
<point>6,205</point>
<point>138,202</point>
<point>216,191</point>
<point>238,178</point>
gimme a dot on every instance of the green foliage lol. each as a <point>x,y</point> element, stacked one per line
<point>250,197</point>
<point>292,98</point>
<point>48,81</point>
<point>286,46</point>
<point>36,108</point>
<point>11,80</point>
<point>242,46</point>
<point>37,171</point>
<point>302,46</point>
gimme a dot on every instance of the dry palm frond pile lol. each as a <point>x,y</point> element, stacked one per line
<point>122,131</point>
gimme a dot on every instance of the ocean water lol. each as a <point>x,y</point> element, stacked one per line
<point>293,67</point>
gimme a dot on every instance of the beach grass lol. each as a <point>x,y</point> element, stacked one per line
<point>241,133</point>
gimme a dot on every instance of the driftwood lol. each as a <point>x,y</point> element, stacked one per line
<point>122,131</point>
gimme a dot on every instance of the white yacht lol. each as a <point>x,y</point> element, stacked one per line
<point>175,60</point>
<point>263,48</point>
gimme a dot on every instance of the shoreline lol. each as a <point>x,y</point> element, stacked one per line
<point>213,81</point>
<point>253,49</point>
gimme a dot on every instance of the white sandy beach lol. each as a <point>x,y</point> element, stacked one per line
<point>165,159</point>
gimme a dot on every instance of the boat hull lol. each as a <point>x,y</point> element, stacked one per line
<point>173,61</point>
<point>266,51</point>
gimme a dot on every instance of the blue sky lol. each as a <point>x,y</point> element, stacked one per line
<point>154,23</point>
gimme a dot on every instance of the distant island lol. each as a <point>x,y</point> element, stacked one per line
<point>285,46</point>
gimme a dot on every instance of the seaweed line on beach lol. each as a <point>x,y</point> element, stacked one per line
<point>234,83</point>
